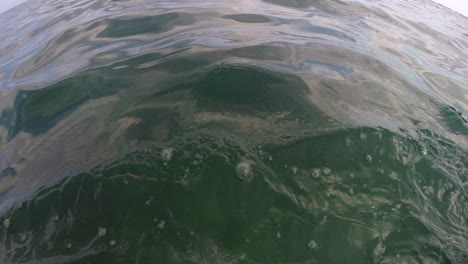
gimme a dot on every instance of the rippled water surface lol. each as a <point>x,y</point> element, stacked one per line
<point>274,131</point>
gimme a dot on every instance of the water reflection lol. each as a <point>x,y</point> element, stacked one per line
<point>346,122</point>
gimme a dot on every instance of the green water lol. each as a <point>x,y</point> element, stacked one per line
<point>296,132</point>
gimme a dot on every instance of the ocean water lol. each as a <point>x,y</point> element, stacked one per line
<point>274,131</point>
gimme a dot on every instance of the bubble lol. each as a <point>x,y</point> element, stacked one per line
<point>56,218</point>
<point>424,151</point>
<point>349,142</point>
<point>112,243</point>
<point>315,173</point>
<point>6,223</point>
<point>326,171</point>
<point>330,193</point>
<point>167,154</point>
<point>149,201</point>
<point>381,152</point>
<point>324,220</point>
<point>278,234</point>
<point>393,175</point>
<point>102,231</point>
<point>244,170</point>
<point>161,224</point>
<point>312,244</point>
<point>428,190</point>
<point>69,245</point>
<point>294,170</point>
<point>363,136</point>
<point>369,158</point>
<point>198,159</point>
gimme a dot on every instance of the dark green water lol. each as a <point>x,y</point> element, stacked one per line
<point>221,132</point>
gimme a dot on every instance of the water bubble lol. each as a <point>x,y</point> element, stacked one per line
<point>6,223</point>
<point>382,151</point>
<point>270,157</point>
<point>278,234</point>
<point>244,170</point>
<point>326,171</point>
<point>369,158</point>
<point>315,173</point>
<point>56,218</point>
<point>324,220</point>
<point>349,142</point>
<point>393,175</point>
<point>112,243</point>
<point>23,238</point>
<point>428,190</point>
<point>294,170</point>
<point>192,233</point>
<point>69,245</point>
<point>167,154</point>
<point>424,151</point>
<point>149,201</point>
<point>126,182</point>
<point>363,136</point>
<point>102,231</point>
<point>161,224</point>
<point>312,244</point>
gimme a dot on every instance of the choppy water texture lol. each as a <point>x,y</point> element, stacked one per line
<point>275,131</point>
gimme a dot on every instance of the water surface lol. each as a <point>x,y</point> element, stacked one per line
<point>291,131</point>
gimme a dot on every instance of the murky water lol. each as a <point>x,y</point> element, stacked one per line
<point>275,131</point>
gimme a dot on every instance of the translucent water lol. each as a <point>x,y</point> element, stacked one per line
<point>275,131</point>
